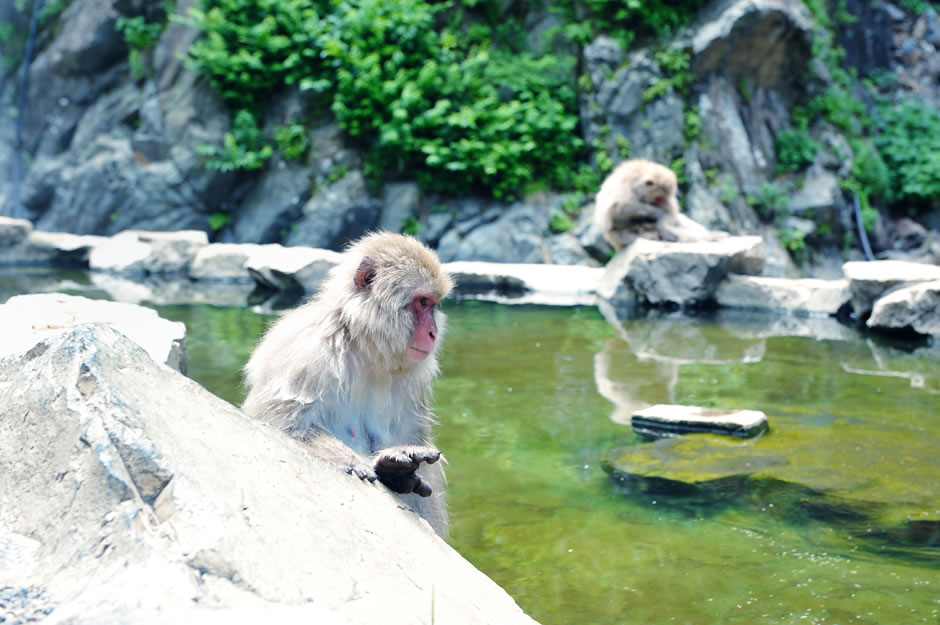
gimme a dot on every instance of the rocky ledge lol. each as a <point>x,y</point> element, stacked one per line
<point>183,267</point>
<point>130,494</point>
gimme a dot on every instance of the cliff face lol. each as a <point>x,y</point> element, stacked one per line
<point>107,136</point>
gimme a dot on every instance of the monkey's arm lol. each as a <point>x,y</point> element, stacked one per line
<point>627,214</point>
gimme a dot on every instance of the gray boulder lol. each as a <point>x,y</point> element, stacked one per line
<point>677,274</point>
<point>516,236</point>
<point>336,215</point>
<point>171,505</point>
<point>20,245</point>
<point>916,307</point>
<point>29,319</point>
<point>870,280</point>
<point>223,262</point>
<point>145,253</point>
<point>290,268</point>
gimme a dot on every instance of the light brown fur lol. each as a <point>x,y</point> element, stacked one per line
<point>335,372</point>
<point>639,199</point>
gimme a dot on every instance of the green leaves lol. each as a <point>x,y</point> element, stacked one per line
<point>795,150</point>
<point>909,143</point>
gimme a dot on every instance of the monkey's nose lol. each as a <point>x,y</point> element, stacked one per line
<point>432,334</point>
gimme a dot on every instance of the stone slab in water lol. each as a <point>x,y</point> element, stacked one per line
<point>666,420</point>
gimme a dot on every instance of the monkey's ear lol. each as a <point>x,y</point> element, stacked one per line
<point>365,274</point>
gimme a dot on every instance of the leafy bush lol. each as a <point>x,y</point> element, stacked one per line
<point>624,19</point>
<point>770,200</point>
<point>909,143</point>
<point>140,35</point>
<point>795,149</point>
<point>242,148</point>
<point>292,141</point>
<point>560,222</point>
<point>457,120</point>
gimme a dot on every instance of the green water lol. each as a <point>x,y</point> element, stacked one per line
<point>524,428</point>
<point>532,400</point>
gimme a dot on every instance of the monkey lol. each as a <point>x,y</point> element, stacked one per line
<point>639,199</point>
<point>349,372</point>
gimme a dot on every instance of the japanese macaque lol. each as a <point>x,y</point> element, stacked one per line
<point>638,199</point>
<point>349,373</point>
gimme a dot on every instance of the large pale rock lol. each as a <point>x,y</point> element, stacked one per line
<point>767,41</point>
<point>564,285</point>
<point>679,274</point>
<point>516,236</point>
<point>290,268</point>
<point>22,246</point>
<point>172,289</point>
<point>28,319</point>
<point>145,253</point>
<point>223,262</point>
<point>916,307</point>
<point>804,296</point>
<point>129,494</point>
<point>870,280</point>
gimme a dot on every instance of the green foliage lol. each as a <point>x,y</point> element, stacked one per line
<point>624,147</point>
<point>917,7</point>
<point>771,200</point>
<point>242,149</point>
<point>678,168</point>
<point>140,35</point>
<point>692,128</point>
<point>292,141</point>
<point>460,120</point>
<point>793,240</point>
<point>674,63</point>
<point>840,108</point>
<point>410,225</point>
<point>727,188</point>
<point>909,143</point>
<point>219,220</point>
<point>252,47</point>
<point>560,222</point>
<point>795,149</point>
<point>624,19</point>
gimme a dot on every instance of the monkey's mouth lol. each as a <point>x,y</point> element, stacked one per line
<point>417,353</point>
<point>660,199</point>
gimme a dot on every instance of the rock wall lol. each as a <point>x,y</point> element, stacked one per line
<point>104,150</point>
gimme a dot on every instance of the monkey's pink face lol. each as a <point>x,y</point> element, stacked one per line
<point>425,334</point>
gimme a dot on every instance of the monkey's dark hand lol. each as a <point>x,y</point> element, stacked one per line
<point>396,466</point>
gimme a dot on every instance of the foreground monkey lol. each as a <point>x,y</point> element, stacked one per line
<point>349,373</point>
<point>638,199</point>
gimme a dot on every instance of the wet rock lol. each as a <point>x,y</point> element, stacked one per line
<point>165,506</point>
<point>800,296</point>
<point>400,200</point>
<point>916,307</point>
<point>516,236</point>
<point>677,274</point>
<point>172,290</point>
<point>565,249</point>
<point>870,280</point>
<point>273,204</point>
<point>907,235</point>
<point>146,253</point>
<point>29,319</point>
<point>290,268</point>
<point>669,420</point>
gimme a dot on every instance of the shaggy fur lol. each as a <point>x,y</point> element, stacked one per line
<point>335,372</point>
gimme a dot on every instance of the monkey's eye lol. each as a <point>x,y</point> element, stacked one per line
<point>424,302</point>
<point>649,183</point>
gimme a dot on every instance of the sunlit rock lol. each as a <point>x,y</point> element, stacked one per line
<point>677,274</point>
<point>668,420</point>
<point>170,505</point>
<point>137,252</point>
<point>21,245</point>
<point>870,280</point>
<point>25,320</point>
<point>290,268</point>
<point>164,290</point>
<point>806,296</point>
<point>511,283</point>
<point>223,262</point>
<point>916,307</point>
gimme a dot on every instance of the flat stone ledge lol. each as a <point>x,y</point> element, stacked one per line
<point>290,268</point>
<point>807,296</point>
<point>138,252</point>
<point>670,420</point>
<point>518,283</point>
<point>870,280</point>
<point>28,319</point>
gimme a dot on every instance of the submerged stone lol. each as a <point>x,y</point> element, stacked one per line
<point>668,420</point>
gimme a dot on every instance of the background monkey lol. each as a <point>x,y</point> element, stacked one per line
<point>349,373</point>
<point>638,199</point>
